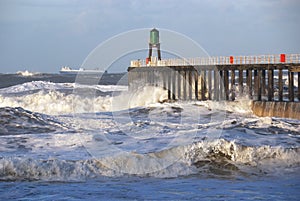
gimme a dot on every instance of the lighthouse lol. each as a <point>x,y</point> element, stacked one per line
<point>154,42</point>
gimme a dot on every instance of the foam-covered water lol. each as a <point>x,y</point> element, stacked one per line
<point>108,143</point>
<point>27,73</point>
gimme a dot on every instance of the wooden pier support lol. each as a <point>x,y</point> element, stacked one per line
<point>263,82</point>
<point>232,85</point>
<point>190,82</point>
<point>169,86</point>
<point>270,85</point>
<point>226,84</point>
<point>220,85</point>
<point>298,86</point>
<point>241,80</point>
<point>196,76</point>
<point>203,84</point>
<point>291,86</point>
<point>256,85</point>
<point>219,82</point>
<point>249,81</point>
<point>209,77</point>
<point>216,85</point>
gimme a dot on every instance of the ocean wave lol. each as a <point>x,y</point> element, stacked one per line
<point>82,101</point>
<point>26,73</point>
<point>85,100</point>
<point>15,121</point>
<point>239,106</point>
<point>266,158</point>
<point>52,99</point>
<point>45,85</point>
<point>219,158</point>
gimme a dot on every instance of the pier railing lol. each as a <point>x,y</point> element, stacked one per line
<point>220,60</point>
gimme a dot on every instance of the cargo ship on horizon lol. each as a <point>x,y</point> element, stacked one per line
<point>69,71</point>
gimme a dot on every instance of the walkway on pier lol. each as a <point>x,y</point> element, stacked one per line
<point>221,60</point>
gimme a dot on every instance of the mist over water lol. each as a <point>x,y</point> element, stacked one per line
<point>101,138</point>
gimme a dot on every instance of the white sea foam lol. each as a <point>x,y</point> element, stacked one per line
<point>103,88</point>
<point>195,158</point>
<point>55,102</point>
<point>151,146</point>
<point>239,106</point>
<point>26,73</point>
<point>44,85</point>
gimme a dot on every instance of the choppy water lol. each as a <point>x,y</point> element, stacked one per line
<point>62,140</point>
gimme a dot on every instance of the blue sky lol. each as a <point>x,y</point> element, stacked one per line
<point>43,35</point>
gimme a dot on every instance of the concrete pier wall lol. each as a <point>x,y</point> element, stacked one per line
<point>276,109</point>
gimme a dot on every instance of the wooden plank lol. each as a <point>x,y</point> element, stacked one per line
<point>226,84</point>
<point>203,85</point>
<point>169,85</point>
<point>196,84</point>
<point>173,73</point>
<point>184,84</point>
<point>232,85</point>
<point>291,86</point>
<point>270,85</point>
<point>256,85</point>
<point>221,85</point>
<point>295,69</point>
<point>263,82</point>
<point>249,81</point>
<point>259,85</point>
<point>216,85</point>
<point>209,84</point>
<point>241,81</point>
<point>190,87</point>
<point>298,86</point>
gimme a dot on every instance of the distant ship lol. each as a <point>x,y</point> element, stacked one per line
<point>69,71</point>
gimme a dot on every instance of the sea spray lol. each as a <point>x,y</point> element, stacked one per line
<point>54,102</point>
<point>27,73</point>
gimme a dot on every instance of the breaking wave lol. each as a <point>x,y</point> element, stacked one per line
<point>44,85</point>
<point>54,102</point>
<point>15,121</point>
<point>219,158</point>
<point>66,98</point>
<point>26,73</point>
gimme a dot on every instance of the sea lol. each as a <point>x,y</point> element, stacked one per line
<point>67,137</point>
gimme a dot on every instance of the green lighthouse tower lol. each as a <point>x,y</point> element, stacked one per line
<point>154,42</point>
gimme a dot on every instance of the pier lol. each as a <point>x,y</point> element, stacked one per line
<point>263,78</point>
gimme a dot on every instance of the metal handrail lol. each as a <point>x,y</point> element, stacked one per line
<point>221,60</point>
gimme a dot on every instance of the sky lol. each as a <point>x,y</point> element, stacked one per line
<point>44,35</point>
